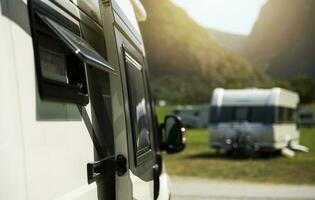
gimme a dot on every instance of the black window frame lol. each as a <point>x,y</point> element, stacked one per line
<point>76,53</point>
<point>53,90</point>
<point>146,154</point>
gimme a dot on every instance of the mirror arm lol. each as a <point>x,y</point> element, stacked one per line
<point>162,126</point>
<point>162,144</point>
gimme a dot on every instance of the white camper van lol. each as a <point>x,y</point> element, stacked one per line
<point>77,118</point>
<point>266,118</point>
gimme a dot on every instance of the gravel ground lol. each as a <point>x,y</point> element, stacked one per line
<point>186,188</point>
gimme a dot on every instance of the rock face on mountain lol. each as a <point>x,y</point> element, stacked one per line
<point>283,39</point>
<point>185,62</point>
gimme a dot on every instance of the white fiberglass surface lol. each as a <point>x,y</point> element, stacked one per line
<point>164,187</point>
<point>12,175</point>
<point>262,97</point>
<point>142,190</point>
<point>55,154</point>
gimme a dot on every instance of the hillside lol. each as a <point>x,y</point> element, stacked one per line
<point>230,41</point>
<point>185,62</point>
<point>283,39</point>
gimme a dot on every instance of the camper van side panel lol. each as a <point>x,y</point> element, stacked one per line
<point>12,161</point>
<point>52,150</point>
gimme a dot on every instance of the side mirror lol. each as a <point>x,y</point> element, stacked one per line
<point>173,140</point>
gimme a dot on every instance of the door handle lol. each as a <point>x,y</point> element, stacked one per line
<point>95,169</point>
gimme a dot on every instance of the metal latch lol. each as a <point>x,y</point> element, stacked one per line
<point>95,170</point>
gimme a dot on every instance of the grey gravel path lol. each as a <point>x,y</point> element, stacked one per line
<point>186,188</point>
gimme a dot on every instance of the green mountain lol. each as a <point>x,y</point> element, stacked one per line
<point>231,41</point>
<point>185,62</point>
<point>283,39</point>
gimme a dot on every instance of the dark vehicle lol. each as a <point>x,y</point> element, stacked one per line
<point>306,117</point>
<point>196,116</point>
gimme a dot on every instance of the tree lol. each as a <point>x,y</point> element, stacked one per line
<point>305,87</point>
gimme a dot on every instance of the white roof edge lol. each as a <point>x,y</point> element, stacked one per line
<point>285,91</point>
<point>261,89</point>
<point>217,96</point>
<point>272,96</point>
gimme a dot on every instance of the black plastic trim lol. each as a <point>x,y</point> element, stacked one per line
<point>143,167</point>
<point>95,169</point>
<point>48,89</point>
<point>79,46</point>
<point>141,155</point>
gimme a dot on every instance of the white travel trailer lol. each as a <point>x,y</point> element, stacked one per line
<point>77,118</point>
<point>264,117</point>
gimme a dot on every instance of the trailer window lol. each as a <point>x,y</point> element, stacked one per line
<point>286,115</point>
<point>263,114</point>
<point>254,114</point>
<point>242,114</point>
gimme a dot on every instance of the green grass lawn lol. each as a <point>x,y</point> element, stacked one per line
<point>199,160</point>
<point>162,112</point>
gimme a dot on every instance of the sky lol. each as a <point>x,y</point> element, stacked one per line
<point>235,16</point>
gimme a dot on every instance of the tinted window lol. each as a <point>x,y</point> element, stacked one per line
<point>258,114</point>
<point>224,114</point>
<point>138,109</point>
<point>286,115</point>
<point>60,73</point>
<point>306,116</point>
<point>263,114</point>
<point>242,114</point>
<point>176,112</point>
